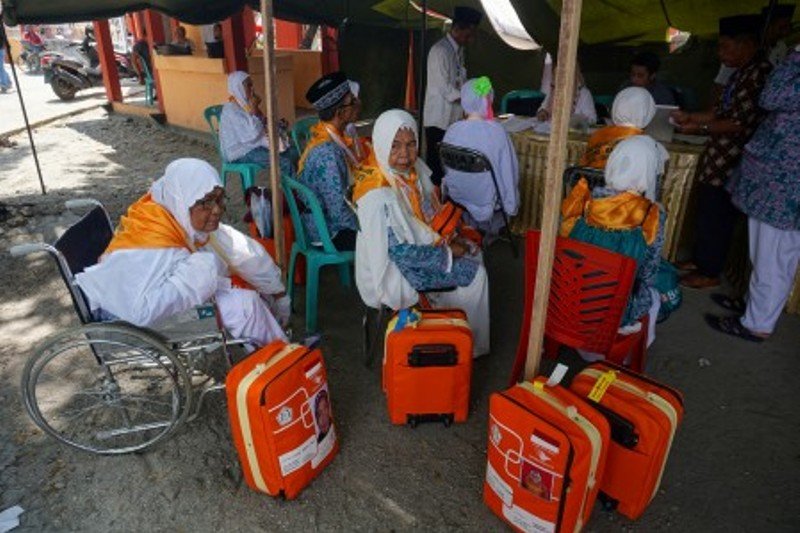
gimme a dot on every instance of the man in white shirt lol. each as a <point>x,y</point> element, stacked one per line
<point>446,74</point>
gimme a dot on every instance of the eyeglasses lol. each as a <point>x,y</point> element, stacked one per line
<point>354,101</point>
<point>208,204</point>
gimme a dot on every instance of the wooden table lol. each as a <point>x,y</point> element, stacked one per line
<point>675,187</point>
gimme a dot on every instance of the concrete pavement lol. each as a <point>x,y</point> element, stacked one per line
<point>43,105</point>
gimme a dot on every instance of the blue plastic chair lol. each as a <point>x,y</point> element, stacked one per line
<point>520,94</point>
<point>247,171</point>
<point>149,83</point>
<point>301,132</point>
<point>317,256</point>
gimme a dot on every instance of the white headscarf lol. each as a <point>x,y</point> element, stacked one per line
<point>236,88</point>
<point>185,181</point>
<point>634,165</point>
<point>473,103</point>
<point>633,106</point>
<point>383,133</point>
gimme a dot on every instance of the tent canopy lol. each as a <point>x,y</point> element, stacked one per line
<point>603,21</point>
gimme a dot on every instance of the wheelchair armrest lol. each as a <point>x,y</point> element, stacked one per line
<point>21,250</point>
<point>82,203</point>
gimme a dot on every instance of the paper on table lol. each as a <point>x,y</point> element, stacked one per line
<point>9,519</point>
<point>516,124</point>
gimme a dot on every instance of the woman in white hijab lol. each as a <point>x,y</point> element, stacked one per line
<point>583,110</point>
<point>622,216</point>
<point>476,192</point>
<point>242,134</point>
<point>397,252</point>
<point>170,253</point>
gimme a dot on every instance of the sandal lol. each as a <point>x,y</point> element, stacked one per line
<point>730,325</point>
<point>735,305</point>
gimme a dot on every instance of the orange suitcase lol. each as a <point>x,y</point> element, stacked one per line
<point>547,447</point>
<point>281,420</point>
<point>427,367</point>
<point>644,416</point>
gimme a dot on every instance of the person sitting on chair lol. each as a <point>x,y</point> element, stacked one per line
<point>476,192</point>
<point>583,108</point>
<point>398,254</point>
<point>242,137</point>
<point>643,71</point>
<point>182,44</point>
<point>623,217</point>
<point>333,152</point>
<point>170,253</point>
<point>632,111</point>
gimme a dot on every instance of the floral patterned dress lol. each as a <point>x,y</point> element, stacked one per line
<point>768,188</point>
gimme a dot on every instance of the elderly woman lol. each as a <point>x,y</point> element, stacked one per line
<point>632,111</point>
<point>171,253</point>
<point>242,136</point>
<point>479,132</point>
<point>398,254</point>
<point>583,110</point>
<point>622,216</point>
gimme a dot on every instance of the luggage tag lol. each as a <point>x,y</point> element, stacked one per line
<point>601,385</point>
<point>555,378</point>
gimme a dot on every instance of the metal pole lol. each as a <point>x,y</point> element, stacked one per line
<point>22,106</point>
<point>271,97</point>
<point>556,160</point>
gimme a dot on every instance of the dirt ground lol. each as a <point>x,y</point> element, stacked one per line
<point>735,464</point>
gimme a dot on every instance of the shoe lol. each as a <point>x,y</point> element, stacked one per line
<point>695,280</point>
<point>731,325</point>
<point>686,266</point>
<point>735,305</point>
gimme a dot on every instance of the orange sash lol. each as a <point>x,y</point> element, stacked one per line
<point>148,225</point>
<point>623,211</point>
<point>602,142</point>
<point>367,176</point>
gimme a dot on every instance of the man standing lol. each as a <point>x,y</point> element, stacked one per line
<point>730,124</point>
<point>332,152</point>
<point>5,81</point>
<point>446,74</point>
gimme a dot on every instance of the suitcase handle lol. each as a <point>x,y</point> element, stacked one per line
<point>423,355</point>
<point>623,432</point>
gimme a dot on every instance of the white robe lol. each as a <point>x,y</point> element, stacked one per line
<point>380,281</point>
<point>147,286</point>
<point>239,132</point>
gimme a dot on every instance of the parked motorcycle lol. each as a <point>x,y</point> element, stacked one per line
<point>30,59</point>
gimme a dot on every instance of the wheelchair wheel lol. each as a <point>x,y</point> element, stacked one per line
<point>106,388</point>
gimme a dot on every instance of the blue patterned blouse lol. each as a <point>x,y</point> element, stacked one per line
<point>768,188</point>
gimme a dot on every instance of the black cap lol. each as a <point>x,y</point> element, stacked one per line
<point>740,25</point>
<point>781,11</point>
<point>328,90</point>
<point>466,16</point>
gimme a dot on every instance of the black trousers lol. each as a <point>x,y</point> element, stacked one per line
<point>433,137</point>
<point>716,219</point>
<point>345,240</point>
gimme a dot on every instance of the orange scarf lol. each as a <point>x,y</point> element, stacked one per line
<point>623,211</point>
<point>148,225</point>
<point>368,176</point>
<point>320,134</point>
<point>602,142</point>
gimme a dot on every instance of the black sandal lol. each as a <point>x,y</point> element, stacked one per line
<point>735,305</point>
<point>730,325</point>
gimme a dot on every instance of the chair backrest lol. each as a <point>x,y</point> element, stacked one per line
<point>463,159</point>
<point>298,195</point>
<point>79,248</point>
<point>148,76</point>
<point>522,102</point>
<point>589,292</point>
<point>594,176</point>
<point>212,115</point>
<point>301,132</point>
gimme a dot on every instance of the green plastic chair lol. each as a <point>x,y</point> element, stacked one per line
<point>518,94</point>
<point>317,256</point>
<point>247,171</point>
<point>604,99</point>
<point>149,83</point>
<point>301,132</point>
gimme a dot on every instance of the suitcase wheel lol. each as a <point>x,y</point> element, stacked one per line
<point>609,504</point>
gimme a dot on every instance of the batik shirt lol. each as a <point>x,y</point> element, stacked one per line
<point>326,173</point>
<point>425,267</point>
<point>737,102</point>
<point>769,186</point>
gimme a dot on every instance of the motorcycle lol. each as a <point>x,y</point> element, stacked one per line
<point>78,68</point>
<point>30,58</point>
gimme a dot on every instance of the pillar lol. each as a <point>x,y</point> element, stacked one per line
<point>155,34</point>
<point>105,49</point>
<point>330,49</point>
<point>233,37</point>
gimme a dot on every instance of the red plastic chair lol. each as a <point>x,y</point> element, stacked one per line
<point>588,295</point>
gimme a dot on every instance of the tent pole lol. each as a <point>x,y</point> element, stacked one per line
<point>423,62</point>
<point>271,96</point>
<point>22,106</point>
<point>556,156</point>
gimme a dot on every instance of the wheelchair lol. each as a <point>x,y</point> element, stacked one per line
<point>108,387</point>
